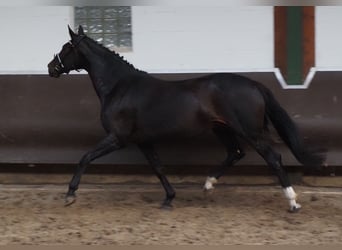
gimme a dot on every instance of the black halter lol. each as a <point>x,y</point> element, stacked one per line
<point>60,66</point>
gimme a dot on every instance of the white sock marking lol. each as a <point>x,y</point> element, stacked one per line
<point>291,195</point>
<point>209,183</point>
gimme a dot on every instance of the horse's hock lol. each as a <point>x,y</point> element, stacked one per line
<point>53,122</point>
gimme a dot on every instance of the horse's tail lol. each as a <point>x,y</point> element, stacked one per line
<point>288,131</point>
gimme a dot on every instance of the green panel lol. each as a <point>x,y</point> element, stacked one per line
<point>294,45</point>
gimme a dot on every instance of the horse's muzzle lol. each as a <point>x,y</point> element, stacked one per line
<point>54,73</point>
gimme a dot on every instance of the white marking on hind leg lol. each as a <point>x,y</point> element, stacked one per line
<point>291,196</point>
<point>209,183</point>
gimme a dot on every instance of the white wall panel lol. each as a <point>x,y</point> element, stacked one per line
<point>202,39</point>
<point>165,38</point>
<point>30,36</point>
<point>328,37</point>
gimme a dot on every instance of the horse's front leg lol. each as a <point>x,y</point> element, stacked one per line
<point>106,146</point>
<point>155,162</point>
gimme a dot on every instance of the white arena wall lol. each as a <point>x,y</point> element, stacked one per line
<point>165,38</point>
<point>328,38</point>
<point>169,39</point>
<point>203,39</point>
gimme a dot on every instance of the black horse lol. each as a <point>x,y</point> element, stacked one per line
<point>138,108</point>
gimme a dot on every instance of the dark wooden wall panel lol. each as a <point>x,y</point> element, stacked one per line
<point>55,121</point>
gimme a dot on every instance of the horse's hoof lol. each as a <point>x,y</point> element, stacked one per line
<point>208,191</point>
<point>294,209</point>
<point>166,207</point>
<point>69,200</point>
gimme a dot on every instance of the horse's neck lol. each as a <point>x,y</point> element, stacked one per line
<point>105,69</point>
<point>104,82</point>
<point>105,76</point>
<point>100,87</point>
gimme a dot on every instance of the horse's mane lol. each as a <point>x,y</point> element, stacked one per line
<point>113,54</point>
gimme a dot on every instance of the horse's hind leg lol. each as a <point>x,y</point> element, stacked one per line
<point>273,160</point>
<point>106,146</point>
<point>234,153</point>
<point>153,158</point>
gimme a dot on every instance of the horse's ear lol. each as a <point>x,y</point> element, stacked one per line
<point>71,32</point>
<point>80,31</point>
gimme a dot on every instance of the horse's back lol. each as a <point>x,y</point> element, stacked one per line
<point>193,105</point>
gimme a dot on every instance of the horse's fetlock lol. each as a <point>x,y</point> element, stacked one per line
<point>209,183</point>
<point>171,196</point>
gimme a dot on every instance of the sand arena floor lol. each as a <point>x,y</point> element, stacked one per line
<point>130,214</point>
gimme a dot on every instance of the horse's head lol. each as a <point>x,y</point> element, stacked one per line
<point>69,58</point>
